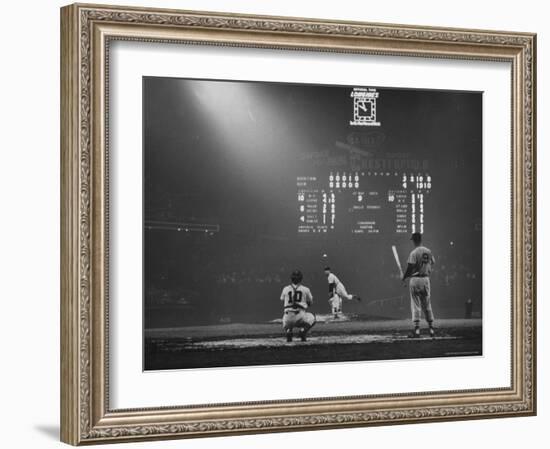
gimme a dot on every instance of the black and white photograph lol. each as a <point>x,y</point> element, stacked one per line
<point>301,223</point>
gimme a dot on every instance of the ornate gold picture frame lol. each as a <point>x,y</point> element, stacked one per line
<point>86,34</point>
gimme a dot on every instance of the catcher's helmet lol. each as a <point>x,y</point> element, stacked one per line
<point>296,277</point>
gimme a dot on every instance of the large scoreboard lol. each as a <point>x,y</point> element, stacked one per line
<point>363,202</point>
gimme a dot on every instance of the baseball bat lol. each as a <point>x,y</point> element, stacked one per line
<point>396,257</point>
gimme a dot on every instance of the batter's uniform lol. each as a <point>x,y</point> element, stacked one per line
<point>296,300</point>
<point>419,284</point>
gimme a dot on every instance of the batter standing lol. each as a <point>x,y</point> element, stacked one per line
<point>419,268</point>
<point>296,299</point>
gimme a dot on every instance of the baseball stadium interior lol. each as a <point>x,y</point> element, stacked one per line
<point>245,182</point>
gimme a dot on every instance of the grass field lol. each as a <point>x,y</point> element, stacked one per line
<point>244,344</point>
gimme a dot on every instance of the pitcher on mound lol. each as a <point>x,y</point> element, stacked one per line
<point>337,292</point>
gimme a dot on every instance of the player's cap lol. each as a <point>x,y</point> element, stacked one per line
<point>296,277</point>
<point>327,268</point>
<point>416,237</point>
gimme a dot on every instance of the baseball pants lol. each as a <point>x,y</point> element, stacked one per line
<point>342,293</point>
<point>419,288</point>
<point>300,319</point>
<point>336,304</point>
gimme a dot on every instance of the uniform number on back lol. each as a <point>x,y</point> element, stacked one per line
<point>294,297</point>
